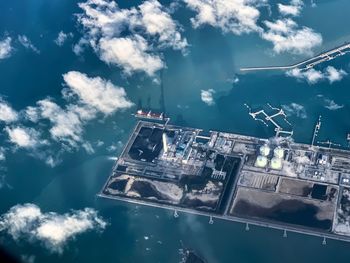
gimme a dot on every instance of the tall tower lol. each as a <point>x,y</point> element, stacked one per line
<point>162,100</point>
<point>165,142</point>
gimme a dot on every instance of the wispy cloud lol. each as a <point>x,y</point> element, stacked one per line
<point>62,37</point>
<point>295,109</point>
<point>25,41</point>
<point>329,103</point>
<point>28,222</point>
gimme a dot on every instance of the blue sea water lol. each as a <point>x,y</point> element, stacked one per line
<point>142,234</point>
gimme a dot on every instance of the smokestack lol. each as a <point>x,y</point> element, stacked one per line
<point>165,142</point>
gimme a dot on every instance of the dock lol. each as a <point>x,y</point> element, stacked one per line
<point>308,63</point>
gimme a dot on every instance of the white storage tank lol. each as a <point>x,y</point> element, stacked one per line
<point>265,150</point>
<point>278,152</point>
<point>261,161</point>
<point>276,163</point>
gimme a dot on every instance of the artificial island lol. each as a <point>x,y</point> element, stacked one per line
<point>274,182</point>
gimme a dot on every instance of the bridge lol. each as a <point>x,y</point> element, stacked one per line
<point>308,63</point>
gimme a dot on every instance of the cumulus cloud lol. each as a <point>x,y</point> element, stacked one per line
<point>87,97</point>
<point>97,92</point>
<point>333,74</point>
<point>23,137</point>
<point>157,22</point>
<point>287,36</point>
<point>25,41</point>
<point>62,37</point>
<point>242,16</point>
<point>292,9</point>
<point>131,54</point>
<point>295,109</point>
<point>207,96</point>
<point>28,222</point>
<point>66,123</point>
<point>5,48</point>
<point>7,113</point>
<point>235,16</point>
<point>119,35</point>
<point>313,76</point>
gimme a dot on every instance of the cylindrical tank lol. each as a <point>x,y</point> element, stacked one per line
<point>278,152</point>
<point>276,163</point>
<point>261,161</point>
<point>265,150</point>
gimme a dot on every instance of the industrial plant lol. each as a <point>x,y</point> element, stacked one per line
<point>269,182</point>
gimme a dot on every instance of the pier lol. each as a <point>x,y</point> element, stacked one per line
<point>270,118</point>
<point>316,130</point>
<point>308,63</point>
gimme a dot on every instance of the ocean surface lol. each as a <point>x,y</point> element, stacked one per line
<point>143,234</point>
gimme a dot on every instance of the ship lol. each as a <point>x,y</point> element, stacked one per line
<point>149,115</point>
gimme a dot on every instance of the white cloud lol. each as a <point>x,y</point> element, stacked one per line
<point>331,105</point>
<point>287,36</point>
<point>292,9</point>
<point>79,47</point>
<point>236,16</point>
<point>31,113</point>
<point>295,109</point>
<point>97,92</point>
<point>24,40</point>
<point>88,148</point>
<point>66,123</point>
<point>5,48</point>
<point>2,154</point>
<point>157,21</point>
<point>119,35</point>
<point>207,96</point>
<point>62,37</point>
<point>23,137</point>
<point>334,75</point>
<point>7,114</point>
<point>50,229</point>
<point>130,54</point>
<point>242,16</point>
<point>87,97</point>
<point>313,76</point>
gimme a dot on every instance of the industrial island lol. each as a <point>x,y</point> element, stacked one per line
<point>268,182</point>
